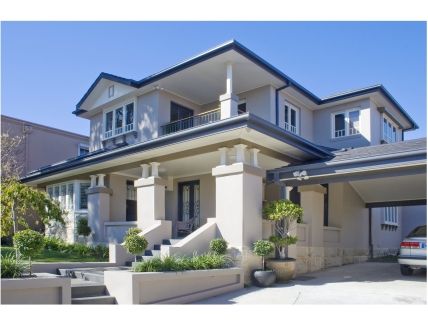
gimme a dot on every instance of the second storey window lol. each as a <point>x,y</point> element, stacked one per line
<point>346,123</point>
<point>291,118</point>
<point>119,121</point>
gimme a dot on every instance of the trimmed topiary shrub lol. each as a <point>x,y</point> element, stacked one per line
<point>218,246</point>
<point>83,227</point>
<point>134,243</point>
<point>28,243</point>
<point>263,248</point>
<point>11,267</point>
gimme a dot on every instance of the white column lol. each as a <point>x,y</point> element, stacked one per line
<point>254,157</point>
<point>101,180</point>
<point>223,155</point>
<point>93,180</point>
<point>228,101</point>
<point>229,78</point>
<point>240,153</point>
<point>145,170</point>
<point>155,169</point>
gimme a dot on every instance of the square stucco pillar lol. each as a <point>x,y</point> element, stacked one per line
<point>239,211</point>
<point>150,200</point>
<point>98,211</point>
<point>228,105</point>
<point>312,202</point>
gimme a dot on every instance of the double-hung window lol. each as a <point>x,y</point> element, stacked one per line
<point>389,133</point>
<point>346,123</point>
<point>119,121</point>
<point>291,118</point>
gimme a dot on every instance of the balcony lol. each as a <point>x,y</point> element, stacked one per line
<point>194,121</point>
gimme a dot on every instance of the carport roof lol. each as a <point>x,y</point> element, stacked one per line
<point>352,161</point>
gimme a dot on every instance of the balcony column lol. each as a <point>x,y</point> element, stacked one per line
<point>228,101</point>
<point>240,153</point>
<point>145,170</point>
<point>98,208</point>
<point>93,180</point>
<point>223,155</point>
<point>254,157</point>
<point>150,197</point>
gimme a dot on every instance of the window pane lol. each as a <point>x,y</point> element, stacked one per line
<point>339,125</point>
<point>242,108</point>
<point>286,114</point>
<point>293,117</point>
<point>84,195</point>
<point>354,122</point>
<point>129,114</point>
<point>70,196</point>
<point>56,192</point>
<point>385,128</point>
<point>394,134</point>
<point>119,117</point>
<point>50,192</point>
<point>109,121</point>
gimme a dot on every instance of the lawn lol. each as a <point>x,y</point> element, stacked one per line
<point>56,256</point>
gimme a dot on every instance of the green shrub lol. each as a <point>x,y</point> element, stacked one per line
<point>135,243</point>
<point>218,246</point>
<point>11,267</point>
<point>54,243</point>
<point>172,263</point>
<point>83,227</point>
<point>28,243</point>
<point>263,248</point>
<point>100,251</point>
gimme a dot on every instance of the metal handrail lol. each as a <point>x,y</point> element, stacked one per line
<point>193,121</point>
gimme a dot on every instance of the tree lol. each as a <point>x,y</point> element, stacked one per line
<point>11,150</point>
<point>135,243</point>
<point>83,228</point>
<point>18,199</point>
<point>28,243</point>
<point>282,213</point>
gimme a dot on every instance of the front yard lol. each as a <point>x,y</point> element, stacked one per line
<point>58,256</point>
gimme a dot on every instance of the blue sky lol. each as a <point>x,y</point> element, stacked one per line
<point>48,66</point>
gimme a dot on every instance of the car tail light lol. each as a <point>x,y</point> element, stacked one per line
<point>409,245</point>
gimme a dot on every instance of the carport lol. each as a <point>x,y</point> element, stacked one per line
<point>382,175</point>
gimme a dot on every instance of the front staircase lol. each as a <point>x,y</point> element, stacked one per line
<point>155,251</point>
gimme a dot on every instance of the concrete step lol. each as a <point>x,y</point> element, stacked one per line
<point>88,290</point>
<point>153,253</point>
<point>105,299</point>
<point>90,276</point>
<point>170,241</point>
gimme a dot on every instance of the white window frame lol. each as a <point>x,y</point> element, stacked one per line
<point>388,137</point>
<point>288,126</point>
<point>390,215</point>
<point>125,128</point>
<point>347,127</point>
<point>75,206</point>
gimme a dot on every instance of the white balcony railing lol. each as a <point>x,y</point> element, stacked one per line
<point>353,131</point>
<point>291,128</point>
<point>339,133</point>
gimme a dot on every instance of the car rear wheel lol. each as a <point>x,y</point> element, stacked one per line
<point>406,270</point>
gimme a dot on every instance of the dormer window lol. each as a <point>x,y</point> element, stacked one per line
<point>119,121</point>
<point>346,123</point>
<point>291,118</point>
<point>389,133</point>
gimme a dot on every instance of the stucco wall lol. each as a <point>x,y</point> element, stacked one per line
<point>323,123</point>
<point>42,145</point>
<point>261,102</point>
<point>118,199</point>
<point>385,241</point>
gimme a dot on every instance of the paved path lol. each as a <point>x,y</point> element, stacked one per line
<point>364,283</point>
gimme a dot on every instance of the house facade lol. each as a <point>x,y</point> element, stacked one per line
<point>193,152</point>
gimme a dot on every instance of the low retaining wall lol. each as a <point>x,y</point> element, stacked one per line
<point>44,289</point>
<point>53,267</point>
<point>171,287</point>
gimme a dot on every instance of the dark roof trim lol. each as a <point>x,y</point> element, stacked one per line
<point>246,120</point>
<point>397,203</point>
<point>368,90</point>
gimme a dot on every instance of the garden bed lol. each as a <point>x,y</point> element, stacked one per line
<point>43,288</point>
<point>171,287</point>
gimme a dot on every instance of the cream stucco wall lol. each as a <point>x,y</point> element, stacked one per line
<point>118,198</point>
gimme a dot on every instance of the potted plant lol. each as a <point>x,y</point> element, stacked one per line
<point>283,213</point>
<point>263,277</point>
<point>134,243</point>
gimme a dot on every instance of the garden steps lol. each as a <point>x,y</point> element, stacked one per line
<point>155,252</point>
<point>105,299</point>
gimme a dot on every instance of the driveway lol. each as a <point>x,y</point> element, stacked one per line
<point>364,283</point>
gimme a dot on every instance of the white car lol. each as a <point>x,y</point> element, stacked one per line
<point>413,251</point>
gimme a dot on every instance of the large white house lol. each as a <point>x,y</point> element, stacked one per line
<point>191,153</point>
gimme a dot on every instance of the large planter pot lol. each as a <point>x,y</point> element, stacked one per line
<point>262,278</point>
<point>285,269</point>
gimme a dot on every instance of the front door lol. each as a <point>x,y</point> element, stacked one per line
<point>188,203</point>
<point>131,202</point>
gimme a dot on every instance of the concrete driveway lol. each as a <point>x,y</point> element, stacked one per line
<point>364,283</point>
